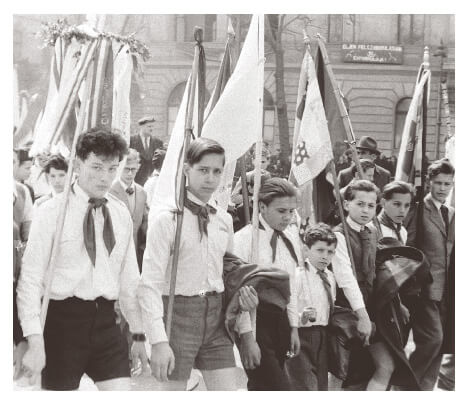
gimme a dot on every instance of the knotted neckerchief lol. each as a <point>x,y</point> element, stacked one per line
<point>385,220</point>
<point>89,231</point>
<point>274,243</point>
<point>202,213</point>
<point>130,190</point>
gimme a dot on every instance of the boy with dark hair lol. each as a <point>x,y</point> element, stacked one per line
<point>198,336</point>
<point>316,288</point>
<point>95,265</point>
<point>435,236</point>
<point>279,246</point>
<point>55,170</point>
<point>396,203</point>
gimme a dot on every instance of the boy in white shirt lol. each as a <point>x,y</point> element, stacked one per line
<point>316,290</point>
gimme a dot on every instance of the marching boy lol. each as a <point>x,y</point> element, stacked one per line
<point>316,289</point>
<point>199,338</point>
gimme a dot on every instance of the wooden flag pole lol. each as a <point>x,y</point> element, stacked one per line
<point>259,144</point>
<point>64,203</point>
<point>421,191</point>
<point>180,213</point>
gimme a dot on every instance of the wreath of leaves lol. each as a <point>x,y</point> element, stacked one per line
<point>51,31</point>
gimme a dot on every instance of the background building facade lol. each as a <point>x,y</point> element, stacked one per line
<point>377,89</point>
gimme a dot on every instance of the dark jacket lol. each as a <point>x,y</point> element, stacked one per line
<point>433,239</point>
<point>146,156</point>
<point>381,176</point>
<point>271,284</point>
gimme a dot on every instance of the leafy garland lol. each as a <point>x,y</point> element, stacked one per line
<point>50,32</point>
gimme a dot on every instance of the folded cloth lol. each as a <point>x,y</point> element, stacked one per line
<point>270,283</point>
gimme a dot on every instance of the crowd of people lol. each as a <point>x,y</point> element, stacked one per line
<point>332,308</point>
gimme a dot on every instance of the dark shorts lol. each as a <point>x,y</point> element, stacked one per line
<point>82,337</point>
<point>198,336</point>
<point>308,371</point>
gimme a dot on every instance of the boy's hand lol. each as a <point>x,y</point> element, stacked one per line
<point>18,354</point>
<point>162,361</point>
<point>248,299</point>
<point>34,358</point>
<point>249,351</point>
<point>138,354</point>
<point>364,326</point>
<point>295,342</point>
<point>405,314</point>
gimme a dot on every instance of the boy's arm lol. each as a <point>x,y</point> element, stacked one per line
<point>35,262</point>
<point>344,274</point>
<point>159,242</point>
<point>129,281</point>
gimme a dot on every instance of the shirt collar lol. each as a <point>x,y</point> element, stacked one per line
<point>310,266</point>
<point>124,186</point>
<point>195,199</point>
<point>354,225</point>
<point>83,195</point>
<point>438,204</point>
<point>267,227</point>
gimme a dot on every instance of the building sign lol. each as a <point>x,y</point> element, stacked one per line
<point>382,54</point>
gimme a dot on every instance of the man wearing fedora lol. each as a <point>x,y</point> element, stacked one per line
<point>145,144</point>
<point>366,149</point>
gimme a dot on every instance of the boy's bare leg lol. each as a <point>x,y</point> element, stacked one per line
<point>171,385</point>
<point>223,379</point>
<point>114,384</point>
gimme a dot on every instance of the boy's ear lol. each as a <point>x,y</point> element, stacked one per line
<point>346,205</point>
<point>185,169</point>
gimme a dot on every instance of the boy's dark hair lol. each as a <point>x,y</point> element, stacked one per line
<point>366,164</point>
<point>442,166</point>
<point>158,158</point>
<point>397,187</point>
<point>276,188</point>
<point>360,185</point>
<point>23,155</point>
<point>102,142</point>
<point>201,147</point>
<point>56,162</point>
<point>319,232</point>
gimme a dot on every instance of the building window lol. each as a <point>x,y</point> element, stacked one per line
<point>205,21</point>
<point>173,104</point>
<point>401,111</point>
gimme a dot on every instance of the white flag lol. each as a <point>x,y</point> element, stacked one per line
<point>234,120</point>
<point>313,149</point>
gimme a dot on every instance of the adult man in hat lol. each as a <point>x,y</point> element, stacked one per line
<point>366,149</point>
<point>145,144</point>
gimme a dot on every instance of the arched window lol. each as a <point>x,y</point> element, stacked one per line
<point>173,104</point>
<point>400,116</point>
<point>269,122</point>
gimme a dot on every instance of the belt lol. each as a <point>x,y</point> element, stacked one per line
<point>200,294</point>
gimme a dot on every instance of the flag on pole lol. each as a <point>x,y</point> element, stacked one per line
<point>123,67</point>
<point>409,162</point>
<point>51,127</point>
<point>323,196</point>
<point>167,191</point>
<point>16,99</point>
<point>312,148</point>
<point>234,120</point>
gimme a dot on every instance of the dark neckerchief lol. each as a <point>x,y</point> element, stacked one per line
<point>274,243</point>
<point>202,213</point>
